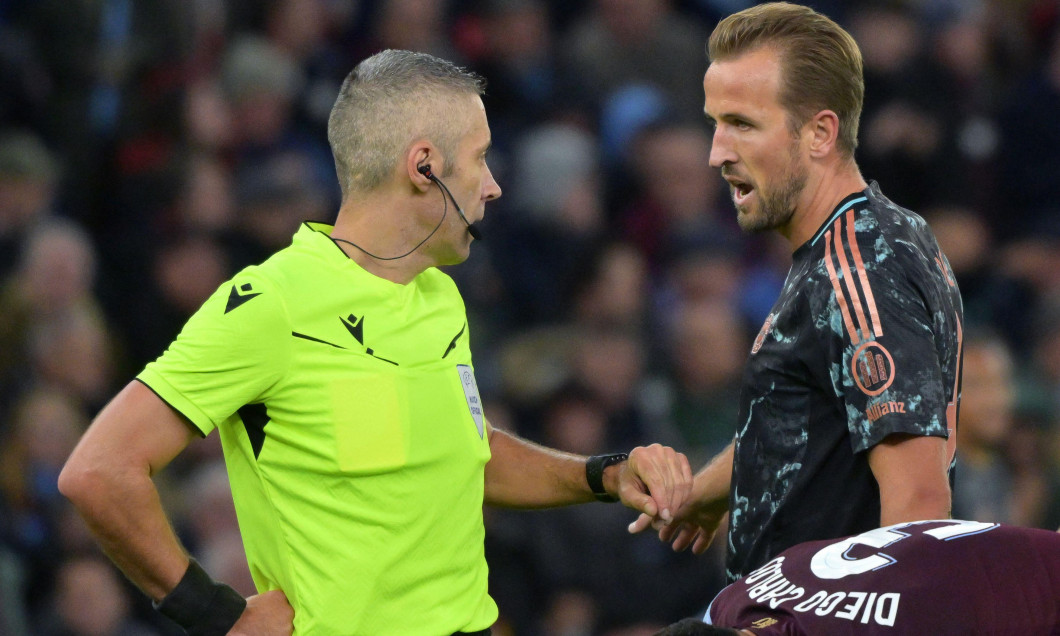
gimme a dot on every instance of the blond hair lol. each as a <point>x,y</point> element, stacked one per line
<point>821,66</point>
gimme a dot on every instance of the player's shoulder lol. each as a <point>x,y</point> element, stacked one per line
<point>884,236</point>
<point>889,220</point>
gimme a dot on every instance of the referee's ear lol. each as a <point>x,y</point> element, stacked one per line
<point>422,153</point>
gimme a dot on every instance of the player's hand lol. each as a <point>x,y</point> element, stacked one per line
<point>693,524</point>
<point>655,480</point>
<point>267,614</point>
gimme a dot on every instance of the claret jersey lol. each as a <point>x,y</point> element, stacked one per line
<point>927,577</point>
<point>863,342</point>
<point>353,434</point>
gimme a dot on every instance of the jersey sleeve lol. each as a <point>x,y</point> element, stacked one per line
<point>229,353</point>
<point>885,363</point>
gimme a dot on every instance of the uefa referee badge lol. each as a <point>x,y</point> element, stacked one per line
<point>474,402</point>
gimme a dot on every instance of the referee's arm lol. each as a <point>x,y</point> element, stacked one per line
<point>655,479</point>
<point>108,478</point>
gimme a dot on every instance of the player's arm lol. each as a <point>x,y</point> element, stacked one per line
<point>894,385</point>
<point>108,478</point>
<point>912,473</point>
<point>697,521</point>
<point>520,474</point>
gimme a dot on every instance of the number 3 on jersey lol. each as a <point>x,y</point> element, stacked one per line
<point>836,561</point>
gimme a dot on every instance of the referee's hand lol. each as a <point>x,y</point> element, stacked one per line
<point>267,614</point>
<point>656,480</point>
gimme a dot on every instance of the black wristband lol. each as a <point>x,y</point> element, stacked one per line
<point>202,606</point>
<point>594,474</point>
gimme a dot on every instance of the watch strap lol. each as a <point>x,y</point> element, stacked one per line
<point>594,474</point>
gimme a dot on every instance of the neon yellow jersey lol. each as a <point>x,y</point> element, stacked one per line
<point>353,433</point>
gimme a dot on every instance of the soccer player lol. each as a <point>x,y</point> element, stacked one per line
<point>925,577</point>
<point>848,409</point>
<point>338,374</point>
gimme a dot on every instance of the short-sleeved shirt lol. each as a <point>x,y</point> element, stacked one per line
<point>863,342</point>
<point>353,435</point>
<point>930,577</point>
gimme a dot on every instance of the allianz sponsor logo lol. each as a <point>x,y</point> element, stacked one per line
<point>768,585</point>
<point>879,409</point>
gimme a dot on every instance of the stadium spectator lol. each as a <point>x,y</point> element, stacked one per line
<point>29,181</point>
<point>89,600</point>
<point>622,42</point>
<point>706,349</point>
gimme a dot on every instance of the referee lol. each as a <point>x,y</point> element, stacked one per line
<point>338,374</point>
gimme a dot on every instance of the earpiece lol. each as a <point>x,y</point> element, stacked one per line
<point>425,170</point>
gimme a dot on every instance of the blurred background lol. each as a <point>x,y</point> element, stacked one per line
<point>149,149</point>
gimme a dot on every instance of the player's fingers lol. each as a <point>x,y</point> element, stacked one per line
<point>640,524</point>
<point>684,538</point>
<point>702,542</point>
<point>669,531</point>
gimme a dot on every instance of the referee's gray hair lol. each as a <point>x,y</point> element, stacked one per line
<point>386,102</point>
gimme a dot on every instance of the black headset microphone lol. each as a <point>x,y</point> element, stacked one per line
<point>425,170</point>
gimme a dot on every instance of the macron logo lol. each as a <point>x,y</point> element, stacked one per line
<point>235,299</point>
<point>355,326</point>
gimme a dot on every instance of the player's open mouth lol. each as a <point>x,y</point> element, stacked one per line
<point>740,192</point>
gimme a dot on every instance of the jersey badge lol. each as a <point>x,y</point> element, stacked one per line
<point>474,401</point>
<point>763,332</point>
<point>872,367</point>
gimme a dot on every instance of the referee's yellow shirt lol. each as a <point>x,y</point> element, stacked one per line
<point>354,438</point>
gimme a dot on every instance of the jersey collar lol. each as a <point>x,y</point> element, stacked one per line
<point>848,202</point>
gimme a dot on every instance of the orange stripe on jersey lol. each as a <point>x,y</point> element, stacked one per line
<point>855,298</point>
<point>840,298</point>
<point>877,328</point>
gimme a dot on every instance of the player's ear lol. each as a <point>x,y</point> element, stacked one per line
<point>823,129</point>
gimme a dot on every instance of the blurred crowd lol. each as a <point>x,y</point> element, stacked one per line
<point>149,149</point>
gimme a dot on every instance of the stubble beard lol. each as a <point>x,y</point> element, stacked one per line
<point>775,208</point>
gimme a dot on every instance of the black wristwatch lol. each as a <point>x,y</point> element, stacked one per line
<point>594,474</point>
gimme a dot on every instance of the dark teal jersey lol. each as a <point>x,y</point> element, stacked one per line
<point>863,342</point>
